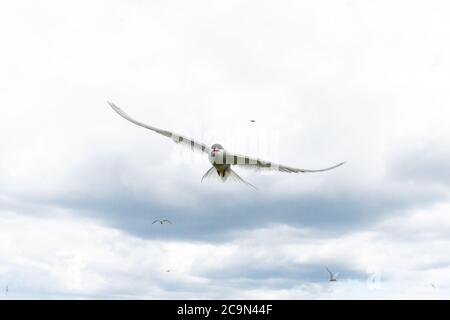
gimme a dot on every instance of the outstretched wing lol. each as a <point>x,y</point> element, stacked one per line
<point>179,139</point>
<point>331,273</point>
<point>248,162</point>
<point>155,221</point>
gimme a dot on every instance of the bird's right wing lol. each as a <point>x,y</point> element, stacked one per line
<point>179,139</point>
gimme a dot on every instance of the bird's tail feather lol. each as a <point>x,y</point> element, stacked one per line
<point>210,173</point>
<point>236,177</point>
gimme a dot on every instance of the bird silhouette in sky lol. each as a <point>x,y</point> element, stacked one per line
<point>162,221</point>
<point>333,277</point>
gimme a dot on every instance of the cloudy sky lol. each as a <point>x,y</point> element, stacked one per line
<point>326,81</point>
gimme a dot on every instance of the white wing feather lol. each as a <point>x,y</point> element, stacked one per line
<point>179,139</point>
<point>248,162</point>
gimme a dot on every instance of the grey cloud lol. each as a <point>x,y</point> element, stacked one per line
<point>329,78</point>
<point>96,190</point>
<point>282,275</point>
<point>215,219</point>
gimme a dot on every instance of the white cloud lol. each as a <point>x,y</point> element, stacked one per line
<point>68,257</point>
<point>326,81</point>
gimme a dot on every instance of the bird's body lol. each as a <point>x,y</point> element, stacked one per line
<point>216,158</point>
<point>223,170</point>
<point>221,160</point>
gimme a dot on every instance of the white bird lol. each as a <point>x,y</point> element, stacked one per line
<point>220,159</point>
<point>162,221</point>
<point>333,277</point>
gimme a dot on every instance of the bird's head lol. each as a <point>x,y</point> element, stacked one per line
<point>216,149</point>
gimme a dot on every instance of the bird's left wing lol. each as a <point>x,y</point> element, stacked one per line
<point>179,139</point>
<point>248,162</point>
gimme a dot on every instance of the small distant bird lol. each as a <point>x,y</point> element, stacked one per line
<point>220,159</point>
<point>432,284</point>
<point>161,221</point>
<point>6,290</point>
<point>333,277</point>
<point>252,120</point>
<point>167,270</point>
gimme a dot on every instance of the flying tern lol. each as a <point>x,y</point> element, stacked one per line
<point>333,277</point>
<point>221,159</point>
<point>162,221</point>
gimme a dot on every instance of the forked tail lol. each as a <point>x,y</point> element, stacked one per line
<point>236,177</point>
<point>212,173</point>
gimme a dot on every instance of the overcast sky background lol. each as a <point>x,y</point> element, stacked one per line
<point>326,81</point>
